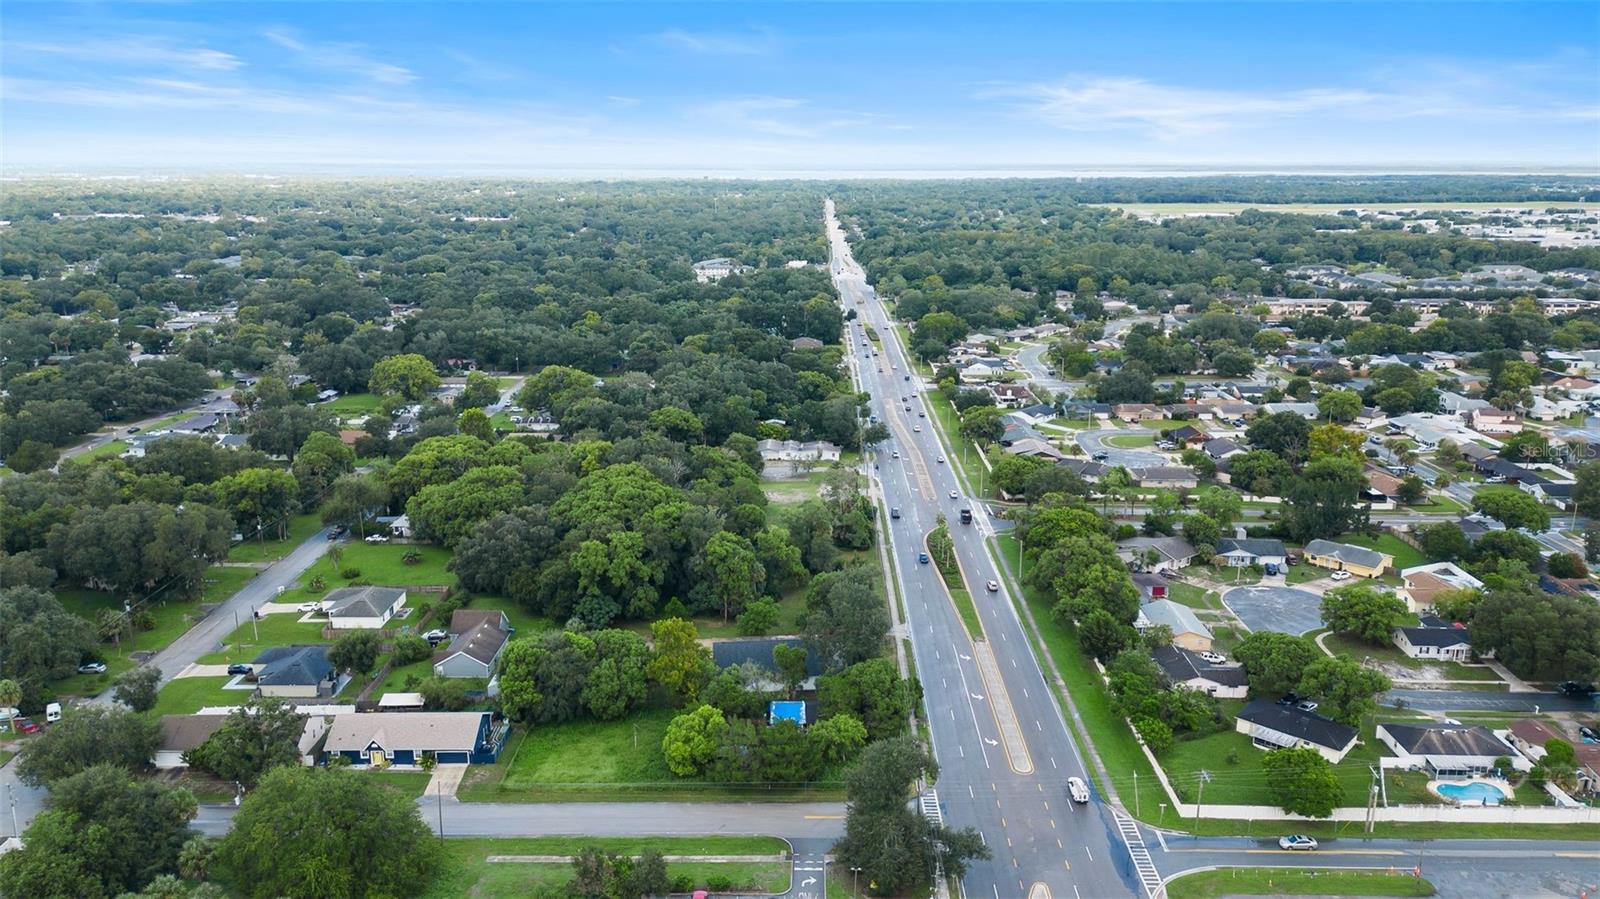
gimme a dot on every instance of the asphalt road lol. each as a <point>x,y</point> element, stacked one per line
<point>1477,700</point>
<point>1095,442</point>
<point>1039,374</point>
<point>121,431</point>
<point>1010,786</point>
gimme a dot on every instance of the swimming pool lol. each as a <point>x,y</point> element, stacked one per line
<point>1487,793</point>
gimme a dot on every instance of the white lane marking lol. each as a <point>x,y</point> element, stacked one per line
<point>1037,726</point>
<point>1088,853</point>
<point>1052,761</point>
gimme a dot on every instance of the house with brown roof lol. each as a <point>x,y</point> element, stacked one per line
<point>1139,412</point>
<point>1422,584</point>
<point>181,733</point>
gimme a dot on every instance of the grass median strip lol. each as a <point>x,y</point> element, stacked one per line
<point>1297,882</point>
<point>473,869</point>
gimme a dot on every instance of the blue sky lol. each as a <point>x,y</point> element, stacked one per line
<point>600,88</point>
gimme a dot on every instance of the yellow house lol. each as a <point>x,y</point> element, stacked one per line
<point>1358,560</point>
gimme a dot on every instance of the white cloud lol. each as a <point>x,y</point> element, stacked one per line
<point>790,117</point>
<point>139,50</point>
<point>623,101</point>
<point>761,42</point>
<point>341,58</point>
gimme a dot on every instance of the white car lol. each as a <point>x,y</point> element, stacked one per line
<point>377,538</point>
<point>310,607</point>
<point>1215,658</point>
<point>941,458</point>
<point>994,586</point>
<point>1077,789</point>
<point>917,428</point>
<point>1340,575</point>
<point>1297,841</point>
<point>954,495</point>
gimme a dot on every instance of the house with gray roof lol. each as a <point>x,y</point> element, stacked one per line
<point>1185,668</point>
<point>1156,553</point>
<point>474,652</point>
<point>1271,726</point>
<point>350,608</point>
<point>1222,448</point>
<point>1450,750</point>
<point>1242,552</point>
<point>1357,560</point>
<point>1188,632</point>
<point>299,672</point>
<point>758,651</point>
<point>381,739</point>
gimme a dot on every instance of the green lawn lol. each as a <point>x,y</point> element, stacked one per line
<point>222,583</point>
<point>1131,441</point>
<point>466,872</point>
<point>525,623</point>
<point>251,637</point>
<point>1242,781</point>
<point>106,450</point>
<point>1297,882</point>
<point>602,760</point>
<point>1225,575</point>
<point>1299,574</point>
<point>172,619</point>
<point>790,608</point>
<point>1405,555</point>
<point>379,564</point>
<point>301,527</point>
<point>1192,596</point>
<point>395,681</point>
<point>1342,645</point>
<point>354,405</point>
<point>188,695</point>
<point>410,783</point>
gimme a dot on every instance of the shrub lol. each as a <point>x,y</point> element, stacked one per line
<point>350,574</point>
<point>718,883</point>
<point>318,583</point>
<point>412,557</point>
<point>410,648</point>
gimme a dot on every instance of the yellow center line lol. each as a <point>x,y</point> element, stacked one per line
<point>824,817</point>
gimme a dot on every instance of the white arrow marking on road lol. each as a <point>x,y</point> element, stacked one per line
<point>965,658</point>
<point>977,697</point>
<point>991,742</point>
<point>808,881</point>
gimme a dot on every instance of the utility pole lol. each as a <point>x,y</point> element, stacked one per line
<point>1200,793</point>
<point>1372,801</point>
<point>1135,789</point>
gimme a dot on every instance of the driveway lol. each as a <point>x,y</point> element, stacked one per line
<point>1094,442</point>
<point>198,670</point>
<point>1286,610</point>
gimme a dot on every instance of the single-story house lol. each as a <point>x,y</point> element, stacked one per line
<point>1451,750</point>
<point>1456,404</point>
<point>1529,735</point>
<point>473,652</point>
<point>363,607</point>
<point>1170,477</point>
<point>1188,435</point>
<point>1307,411</point>
<point>1184,668</point>
<point>1358,560</point>
<point>1447,643</point>
<point>463,620</point>
<point>401,527</point>
<point>1242,553</point>
<point>1222,448</point>
<point>181,733</point>
<point>758,650</point>
<point>1156,553</point>
<point>1496,421</point>
<point>298,672</point>
<point>797,451</point>
<point>1382,487</point>
<point>1083,468</point>
<point>1010,396</point>
<point>805,343</point>
<point>1188,631</point>
<point>402,738</point>
<point>1554,493</point>
<point>1422,584</point>
<point>1139,412</point>
<point>1272,726</point>
<point>1151,586</point>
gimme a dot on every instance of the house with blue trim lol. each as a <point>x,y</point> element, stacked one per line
<point>402,738</point>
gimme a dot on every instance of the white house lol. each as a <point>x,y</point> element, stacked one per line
<point>1496,421</point>
<point>401,527</point>
<point>1421,584</point>
<point>1434,643</point>
<point>1156,553</point>
<point>1450,750</point>
<point>1271,726</point>
<point>797,451</point>
<point>1242,553</point>
<point>363,607</point>
<point>1184,668</point>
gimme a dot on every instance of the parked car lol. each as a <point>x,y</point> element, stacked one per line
<point>1297,841</point>
<point>436,636</point>
<point>377,538</point>
<point>337,531</point>
<point>1340,575</point>
<point>1306,705</point>
<point>1576,688</point>
<point>1215,658</point>
<point>26,726</point>
<point>1289,698</point>
<point>1077,789</point>
<point>240,668</point>
<point>1100,457</point>
<point>310,607</point>
<point>92,668</point>
<point>994,586</point>
<point>1588,734</point>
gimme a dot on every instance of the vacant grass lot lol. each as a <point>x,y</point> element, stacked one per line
<point>1298,882</point>
<point>466,872</point>
<point>592,761</point>
<point>222,583</point>
<point>188,695</point>
<point>301,527</point>
<point>106,450</point>
<point>251,637</point>
<point>1237,777</point>
<point>380,564</point>
<point>355,405</point>
<point>172,619</point>
<point>1192,596</point>
<point>1404,554</point>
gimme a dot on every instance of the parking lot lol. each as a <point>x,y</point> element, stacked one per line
<point>1282,609</point>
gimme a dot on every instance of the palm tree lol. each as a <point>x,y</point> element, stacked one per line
<point>10,697</point>
<point>335,554</point>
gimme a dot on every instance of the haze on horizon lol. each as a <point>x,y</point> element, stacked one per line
<point>801,90</point>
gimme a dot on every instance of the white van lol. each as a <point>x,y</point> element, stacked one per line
<point>52,712</point>
<point>1077,789</point>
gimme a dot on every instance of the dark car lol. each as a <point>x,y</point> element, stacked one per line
<point>1576,689</point>
<point>239,668</point>
<point>1588,734</point>
<point>337,531</point>
<point>895,512</point>
<point>1289,699</point>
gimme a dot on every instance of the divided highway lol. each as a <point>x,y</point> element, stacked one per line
<point>1003,748</point>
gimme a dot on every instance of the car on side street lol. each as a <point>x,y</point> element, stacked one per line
<point>1298,841</point>
<point>377,538</point>
<point>27,726</point>
<point>92,668</point>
